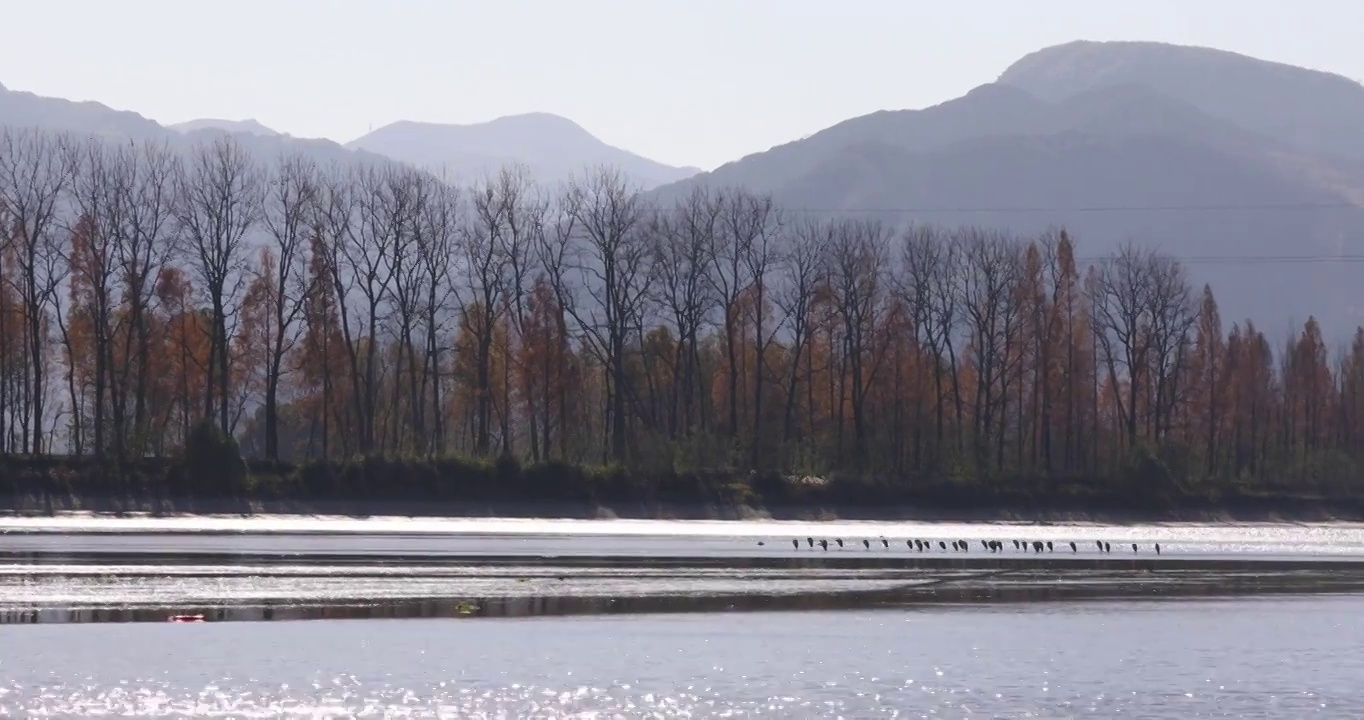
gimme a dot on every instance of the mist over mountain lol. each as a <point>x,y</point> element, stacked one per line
<point>1118,142</point>
<point>553,148</point>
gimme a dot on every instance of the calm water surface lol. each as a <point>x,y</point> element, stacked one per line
<point>1280,657</point>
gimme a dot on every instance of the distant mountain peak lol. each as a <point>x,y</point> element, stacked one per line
<point>538,119</point>
<point>1317,112</point>
<point>1097,59</point>
<point>551,146</point>
<point>250,126</point>
<point>532,124</point>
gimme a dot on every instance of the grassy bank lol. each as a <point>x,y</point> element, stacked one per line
<point>505,488</point>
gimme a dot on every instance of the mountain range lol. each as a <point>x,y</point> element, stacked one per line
<point>551,147</point>
<point>1250,170</point>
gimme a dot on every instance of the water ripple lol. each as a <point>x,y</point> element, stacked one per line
<point>1285,658</point>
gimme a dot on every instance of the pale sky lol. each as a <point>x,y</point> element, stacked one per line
<point>686,82</point>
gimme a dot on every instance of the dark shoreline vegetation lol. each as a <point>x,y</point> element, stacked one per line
<point>504,488</point>
<point>158,308</point>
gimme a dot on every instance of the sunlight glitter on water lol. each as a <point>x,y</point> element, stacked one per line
<point>581,701</point>
<point>1278,658</point>
<point>1276,533</point>
<point>645,537</point>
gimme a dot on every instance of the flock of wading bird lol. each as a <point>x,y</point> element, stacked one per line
<point>992,546</point>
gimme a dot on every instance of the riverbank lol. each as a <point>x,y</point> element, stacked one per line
<point>454,488</point>
<point>1239,509</point>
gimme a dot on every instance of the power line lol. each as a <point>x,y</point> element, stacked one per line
<point>1340,205</point>
<point>1190,259</point>
<point>1252,259</point>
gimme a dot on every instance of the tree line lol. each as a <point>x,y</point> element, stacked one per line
<point>377,310</point>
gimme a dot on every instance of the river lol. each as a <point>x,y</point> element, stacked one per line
<point>1286,658</point>
<point>543,618</point>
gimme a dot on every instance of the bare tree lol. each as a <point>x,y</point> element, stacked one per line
<point>682,242</point>
<point>438,228</point>
<point>1120,292</point>
<point>526,215</point>
<point>560,257</point>
<point>802,270</point>
<point>765,224</point>
<point>334,220</point>
<point>404,195</point>
<point>858,259</point>
<point>35,171</point>
<point>989,301</point>
<point>930,288</point>
<point>1171,315</point>
<point>363,250</point>
<point>218,203</point>
<point>7,348</point>
<point>122,197</point>
<point>101,203</point>
<point>290,195</point>
<point>485,267</point>
<point>612,258</point>
<point>143,247</point>
<point>729,274</point>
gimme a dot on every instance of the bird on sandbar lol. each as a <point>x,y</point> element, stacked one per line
<point>824,544</point>
<point>795,543</point>
<point>866,544</point>
<point>1157,548</point>
<point>839,541</point>
<point>1072,547</point>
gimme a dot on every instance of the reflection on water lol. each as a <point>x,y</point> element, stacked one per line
<point>84,594</point>
<point>445,538</point>
<point>1287,658</point>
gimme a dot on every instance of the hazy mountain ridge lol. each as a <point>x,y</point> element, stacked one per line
<point>552,147</point>
<point>1314,110</point>
<point>250,126</point>
<point>26,109</point>
<point>1070,136</point>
